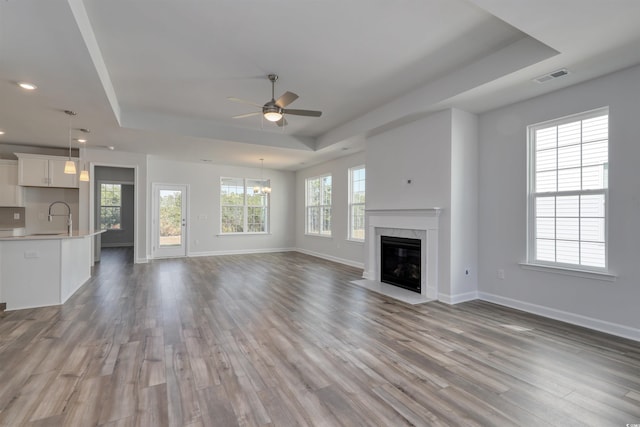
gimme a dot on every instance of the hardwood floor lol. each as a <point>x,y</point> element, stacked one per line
<point>284,340</point>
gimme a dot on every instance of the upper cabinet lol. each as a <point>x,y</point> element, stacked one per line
<point>45,171</point>
<point>11,194</point>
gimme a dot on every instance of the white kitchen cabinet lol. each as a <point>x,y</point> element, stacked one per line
<point>11,194</point>
<point>45,171</point>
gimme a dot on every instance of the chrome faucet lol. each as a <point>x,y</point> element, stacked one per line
<point>68,215</point>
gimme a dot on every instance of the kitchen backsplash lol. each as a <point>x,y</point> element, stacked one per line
<point>11,218</point>
<point>37,201</point>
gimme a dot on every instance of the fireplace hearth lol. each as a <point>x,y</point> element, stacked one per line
<point>400,261</point>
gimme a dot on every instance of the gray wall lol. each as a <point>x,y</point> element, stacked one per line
<point>600,304</point>
<point>336,247</point>
<point>203,216</point>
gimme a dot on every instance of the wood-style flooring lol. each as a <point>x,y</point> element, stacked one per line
<point>285,340</point>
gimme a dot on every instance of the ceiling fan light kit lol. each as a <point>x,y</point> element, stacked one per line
<point>272,114</point>
<point>274,110</point>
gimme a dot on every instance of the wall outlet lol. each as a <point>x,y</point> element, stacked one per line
<point>31,254</point>
<point>16,215</point>
<point>501,274</point>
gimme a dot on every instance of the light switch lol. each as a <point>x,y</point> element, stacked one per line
<point>31,254</point>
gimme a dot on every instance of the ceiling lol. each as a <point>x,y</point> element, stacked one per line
<point>153,76</point>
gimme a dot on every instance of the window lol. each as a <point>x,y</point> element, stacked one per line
<point>244,207</point>
<point>110,206</point>
<point>568,164</point>
<point>356,203</point>
<point>318,205</point>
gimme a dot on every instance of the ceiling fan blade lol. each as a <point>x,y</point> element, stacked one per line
<point>309,113</point>
<point>244,101</point>
<point>282,122</point>
<point>286,99</point>
<point>242,116</point>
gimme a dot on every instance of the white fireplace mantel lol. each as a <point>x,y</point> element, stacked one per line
<point>419,223</point>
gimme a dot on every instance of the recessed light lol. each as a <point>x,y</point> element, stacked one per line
<point>111,147</point>
<point>1,132</point>
<point>27,86</point>
<point>81,140</point>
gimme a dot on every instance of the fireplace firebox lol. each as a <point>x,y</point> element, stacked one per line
<point>400,262</point>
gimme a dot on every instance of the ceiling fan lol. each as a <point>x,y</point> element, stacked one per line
<point>274,110</point>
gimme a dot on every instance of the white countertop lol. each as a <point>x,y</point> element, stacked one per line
<point>52,236</point>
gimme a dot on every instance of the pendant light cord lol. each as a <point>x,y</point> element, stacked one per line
<point>69,136</point>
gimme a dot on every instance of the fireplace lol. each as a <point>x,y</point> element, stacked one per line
<point>400,262</point>
<point>420,224</point>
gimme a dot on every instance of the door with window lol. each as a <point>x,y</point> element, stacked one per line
<point>169,220</point>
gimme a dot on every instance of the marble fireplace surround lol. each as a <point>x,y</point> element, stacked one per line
<point>411,223</point>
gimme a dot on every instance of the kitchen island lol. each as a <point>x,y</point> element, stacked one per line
<point>43,269</point>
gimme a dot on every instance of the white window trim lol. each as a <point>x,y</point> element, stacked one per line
<point>350,205</point>
<point>321,206</point>
<point>576,272</point>
<point>100,206</point>
<point>531,263</point>
<point>245,209</point>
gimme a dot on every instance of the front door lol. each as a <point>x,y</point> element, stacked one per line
<point>169,220</point>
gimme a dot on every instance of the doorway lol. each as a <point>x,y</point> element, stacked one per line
<point>170,203</point>
<point>114,207</point>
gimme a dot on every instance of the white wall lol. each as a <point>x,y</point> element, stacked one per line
<point>421,152</point>
<point>203,231</point>
<point>603,305</point>
<point>336,247</point>
<point>464,206</point>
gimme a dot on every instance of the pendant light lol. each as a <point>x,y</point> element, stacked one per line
<point>84,173</point>
<point>70,165</point>
<point>258,188</point>
<point>264,189</point>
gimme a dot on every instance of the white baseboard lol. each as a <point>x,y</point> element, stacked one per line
<point>564,316</point>
<point>141,260</point>
<point>331,258</point>
<point>239,252</point>
<point>458,298</point>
